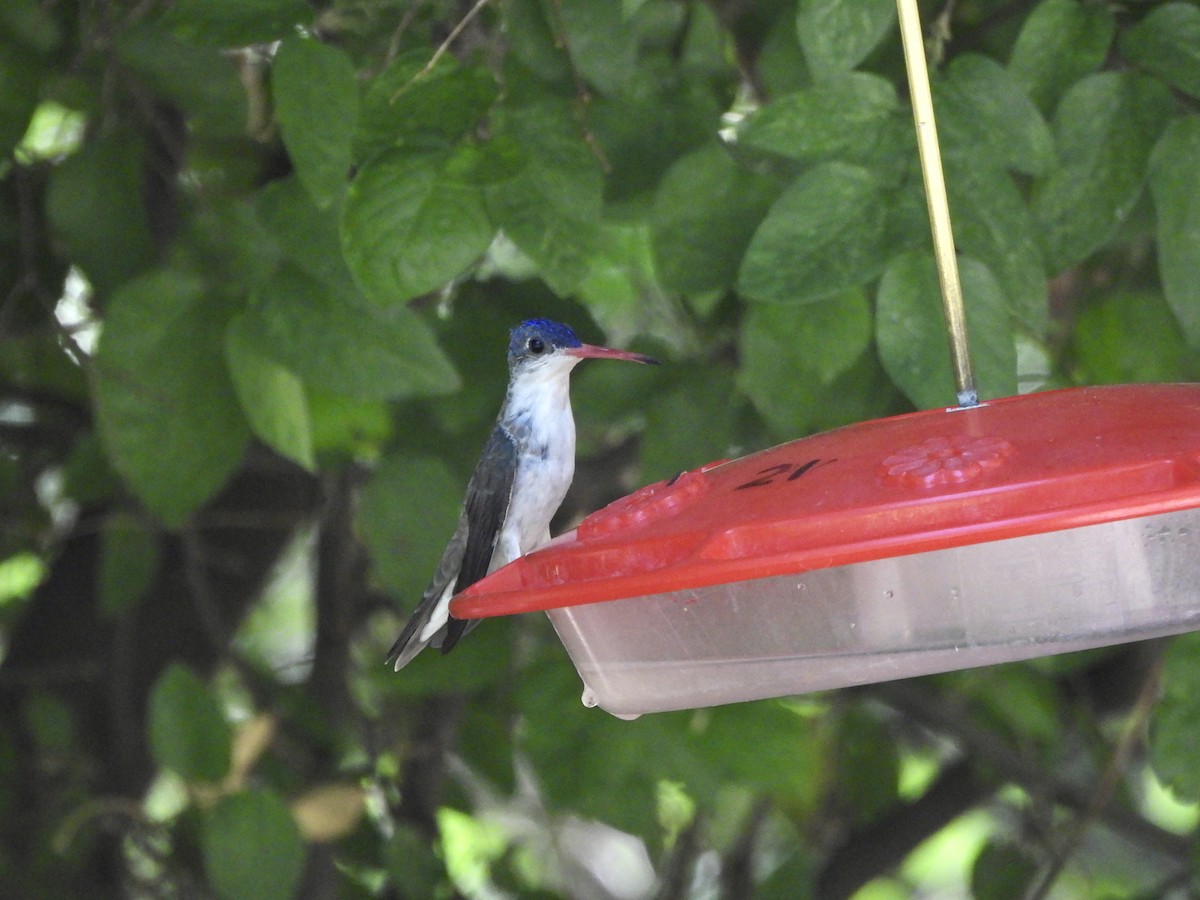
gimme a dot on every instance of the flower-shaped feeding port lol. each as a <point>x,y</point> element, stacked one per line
<point>945,460</point>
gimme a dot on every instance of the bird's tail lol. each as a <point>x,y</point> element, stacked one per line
<point>408,644</point>
<point>430,624</point>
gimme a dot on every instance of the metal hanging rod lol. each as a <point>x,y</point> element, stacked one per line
<point>935,194</point>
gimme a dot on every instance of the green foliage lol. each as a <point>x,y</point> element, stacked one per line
<point>1061,42</point>
<point>705,212</point>
<point>414,220</point>
<point>258,261</point>
<point>316,103</point>
<point>188,732</point>
<point>271,396</point>
<point>1000,871</point>
<point>838,34</point>
<point>334,339</point>
<point>129,561</point>
<point>1105,128</point>
<point>1176,719</point>
<point>790,363</point>
<point>1175,186</point>
<point>1132,336</point>
<point>825,235</point>
<point>167,411</point>
<point>912,336</point>
<point>1167,44</point>
<point>551,208</point>
<point>252,847</point>
<point>100,183</point>
<point>408,512</point>
<point>20,78</point>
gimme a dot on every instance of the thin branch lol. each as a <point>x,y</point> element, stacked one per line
<point>1118,762</point>
<point>582,94</point>
<point>406,20</point>
<point>949,718</point>
<point>453,36</point>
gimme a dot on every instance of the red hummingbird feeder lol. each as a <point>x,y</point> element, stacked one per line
<point>932,541</point>
<point>944,539</point>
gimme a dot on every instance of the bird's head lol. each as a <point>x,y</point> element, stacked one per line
<point>539,345</point>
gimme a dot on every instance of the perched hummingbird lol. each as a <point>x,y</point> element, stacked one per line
<point>519,482</point>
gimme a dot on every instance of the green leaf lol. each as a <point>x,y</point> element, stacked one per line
<point>200,79</point>
<point>1001,871</point>
<point>1061,42</point>
<point>1132,336</point>
<point>94,203</point>
<point>985,118</point>
<point>411,224</point>
<point>1167,43</point>
<point>407,514</point>
<point>235,23</point>
<point>838,34</point>
<point>824,236</point>
<point>645,129</point>
<point>20,85</point>
<point>29,23</point>
<point>334,340</point>
<point>911,331</point>
<point>788,354</point>
<point>850,116</point>
<point>705,212</point>
<point>552,209</point>
<point>228,242</point>
<point>271,396</point>
<point>602,44</point>
<point>621,287</point>
<point>596,765</point>
<point>405,104</point>
<point>864,391</point>
<point>534,46</point>
<point>128,562</point>
<point>316,103</point>
<point>412,862</point>
<point>1175,186</point>
<point>1175,721</point>
<point>352,428</point>
<point>252,847</point>
<point>779,760</point>
<point>993,224</point>
<point>690,422</point>
<point>869,765</point>
<point>188,732</point>
<point>167,412</point>
<point>307,235</point>
<point>1105,128</point>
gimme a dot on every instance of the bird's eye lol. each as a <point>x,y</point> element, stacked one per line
<point>536,345</point>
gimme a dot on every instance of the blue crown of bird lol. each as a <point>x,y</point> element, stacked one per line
<point>519,482</point>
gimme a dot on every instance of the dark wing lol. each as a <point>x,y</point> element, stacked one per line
<point>469,552</point>
<point>488,497</point>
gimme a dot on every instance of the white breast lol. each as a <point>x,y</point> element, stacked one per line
<point>538,415</point>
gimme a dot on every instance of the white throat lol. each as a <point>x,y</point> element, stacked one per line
<point>537,411</point>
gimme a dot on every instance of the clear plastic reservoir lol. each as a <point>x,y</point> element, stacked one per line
<point>889,618</point>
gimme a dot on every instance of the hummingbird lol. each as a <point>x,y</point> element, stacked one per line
<point>519,482</point>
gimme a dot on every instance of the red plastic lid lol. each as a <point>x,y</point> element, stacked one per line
<point>923,481</point>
